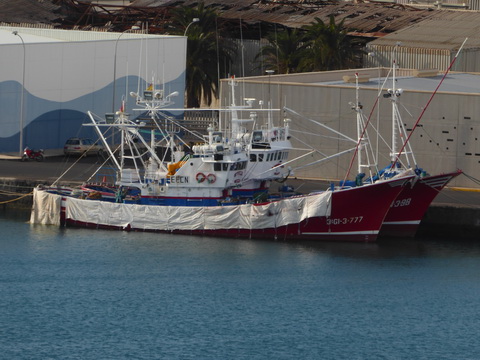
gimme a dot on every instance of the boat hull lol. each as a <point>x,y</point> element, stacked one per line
<point>408,209</point>
<point>354,214</point>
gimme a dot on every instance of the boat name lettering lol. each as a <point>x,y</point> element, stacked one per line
<point>402,202</point>
<point>344,221</point>
<point>177,179</point>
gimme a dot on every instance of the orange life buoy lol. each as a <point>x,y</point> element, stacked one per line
<point>211,178</point>
<point>200,177</point>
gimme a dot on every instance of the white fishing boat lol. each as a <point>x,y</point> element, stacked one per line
<point>217,187</point>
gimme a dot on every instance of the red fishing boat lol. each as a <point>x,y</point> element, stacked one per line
<point>408,209</point>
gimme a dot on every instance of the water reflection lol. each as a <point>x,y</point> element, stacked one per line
<point>388,248</point>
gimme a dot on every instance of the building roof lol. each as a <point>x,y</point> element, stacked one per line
<point>443,30</point>
<point>29,11</point>
<point>48,35</point>
<point>373,19</point>
<point>7,36</point>
<point>361,17</point>
<point>464,83</point>
<point>407,79</point>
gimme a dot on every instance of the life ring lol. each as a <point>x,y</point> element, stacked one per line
<point>200,177</point>
<point>277,172</point>
<point>211,178</point>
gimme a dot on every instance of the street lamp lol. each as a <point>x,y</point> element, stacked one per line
<point>194,20</point>
<point>23,93</point>
<point>115,63</point>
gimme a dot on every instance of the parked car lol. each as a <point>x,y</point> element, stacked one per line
<point>79,146</point>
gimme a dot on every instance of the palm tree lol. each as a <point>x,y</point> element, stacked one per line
<point>285,51</point>
<point>208,53</point>
<point>329,46</point>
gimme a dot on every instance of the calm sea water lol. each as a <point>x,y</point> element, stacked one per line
<point>84,294</point>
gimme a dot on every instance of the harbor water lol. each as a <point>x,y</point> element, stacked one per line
<point>86,294</point>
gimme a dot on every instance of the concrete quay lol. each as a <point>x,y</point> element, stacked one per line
<point>455,213</point>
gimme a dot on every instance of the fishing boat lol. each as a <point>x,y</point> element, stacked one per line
<point>408,209</point>
<point>220,186</point>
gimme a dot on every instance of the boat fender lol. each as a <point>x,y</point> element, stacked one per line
<point>200,177</point>
<point>211,178</point>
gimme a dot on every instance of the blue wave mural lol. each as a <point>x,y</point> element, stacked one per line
<point>48,124</point>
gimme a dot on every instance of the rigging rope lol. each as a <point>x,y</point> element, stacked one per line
<point>428,103</point>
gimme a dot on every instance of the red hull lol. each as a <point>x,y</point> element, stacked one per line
<point>408,209</point>
<point>356,215</point>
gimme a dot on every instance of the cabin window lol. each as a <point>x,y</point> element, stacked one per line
<point>257,136</point>
<point>241,165</point>
<point>260,157</point>
<point>225,166</point>
<point>253,157</point>
<point>217,166</point>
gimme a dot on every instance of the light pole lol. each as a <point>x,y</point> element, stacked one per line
<point>20,151</point>
<point>115,63</point>
<point>194,20</point>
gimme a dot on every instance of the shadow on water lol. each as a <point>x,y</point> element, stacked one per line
<point>400,247</point>
<point>21,214</point>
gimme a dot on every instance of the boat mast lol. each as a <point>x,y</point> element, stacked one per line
<point>359,124</point>
<point>363,143</point>
<point>398,128</point>
<point>233,107</point>
<point>392,92</point>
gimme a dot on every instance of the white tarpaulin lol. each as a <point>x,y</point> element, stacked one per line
<point>151,217</point>
<point>46,208</point>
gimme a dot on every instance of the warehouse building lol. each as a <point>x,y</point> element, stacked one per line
<point>49,79</point>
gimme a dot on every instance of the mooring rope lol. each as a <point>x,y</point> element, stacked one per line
<point>21,197</point>
<point>470,177</point>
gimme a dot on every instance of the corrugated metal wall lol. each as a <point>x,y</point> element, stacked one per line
<point>474,5</point>
<point>423,58</point>
<point>409,58</point>
<point>245,63</point>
